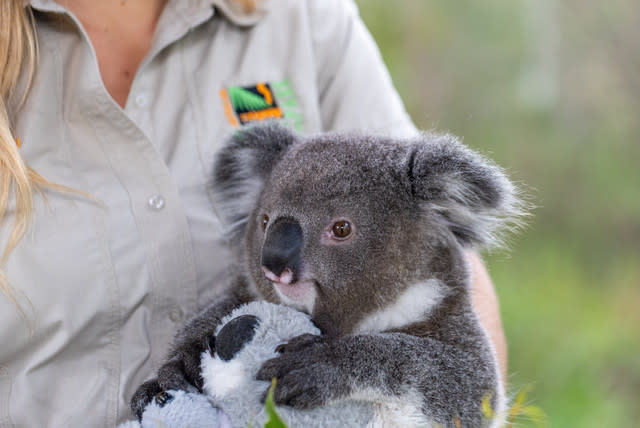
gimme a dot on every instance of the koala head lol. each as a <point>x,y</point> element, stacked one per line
<point>344,224</point>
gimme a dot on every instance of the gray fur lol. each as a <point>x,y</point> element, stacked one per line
<point>414,205</point>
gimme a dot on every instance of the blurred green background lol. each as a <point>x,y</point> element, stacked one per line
<point>551,90</point>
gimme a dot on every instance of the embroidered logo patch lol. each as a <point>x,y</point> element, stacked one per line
<point>250,103</point>
<point>245,104</point>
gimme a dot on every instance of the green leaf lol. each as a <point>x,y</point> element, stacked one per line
<point>274,420</point>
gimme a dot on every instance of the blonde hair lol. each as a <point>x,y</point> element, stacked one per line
<point>18,56</point>
<point>17,181</point>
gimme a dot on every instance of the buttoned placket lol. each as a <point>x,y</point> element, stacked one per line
<point>155,204</point>
<point>143,209</point>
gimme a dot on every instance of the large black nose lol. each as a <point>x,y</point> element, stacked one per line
<point>283,247</point>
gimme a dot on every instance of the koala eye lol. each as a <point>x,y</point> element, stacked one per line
<point>265,222</point>
<point>341,229</point>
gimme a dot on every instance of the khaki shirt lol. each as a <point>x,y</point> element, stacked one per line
<point>106,282</point>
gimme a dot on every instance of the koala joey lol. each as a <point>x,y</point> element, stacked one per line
<point>367,234</point>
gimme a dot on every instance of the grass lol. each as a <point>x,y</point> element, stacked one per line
<point>572,336</point>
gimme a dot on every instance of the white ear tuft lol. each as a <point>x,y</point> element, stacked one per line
<point>469,194</point>
<point>242,167</point>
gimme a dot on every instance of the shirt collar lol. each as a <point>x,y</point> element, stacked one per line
<point>234,12</point>
<point>230,9</point>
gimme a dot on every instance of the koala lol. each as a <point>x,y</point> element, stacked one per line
<point>367,234</point>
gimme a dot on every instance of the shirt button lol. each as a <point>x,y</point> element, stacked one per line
<point>156,202</point>
<point>176,314</point>
<point>141,100</point>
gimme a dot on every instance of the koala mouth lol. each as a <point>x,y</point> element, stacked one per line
<point>300,294</point>
<point>297,291</point>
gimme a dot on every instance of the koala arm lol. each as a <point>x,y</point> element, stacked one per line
<point>181,370</point>
<point>485,304</point>
<point>443,380</point>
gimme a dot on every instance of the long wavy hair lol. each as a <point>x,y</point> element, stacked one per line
<point>18,58</point>
<point>18,55</point>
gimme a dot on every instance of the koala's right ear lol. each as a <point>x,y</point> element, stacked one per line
<point>241,169</point>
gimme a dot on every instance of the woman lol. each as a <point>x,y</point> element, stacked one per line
<point>128,103</point>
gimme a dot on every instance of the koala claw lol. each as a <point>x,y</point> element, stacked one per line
<point>163,398</point>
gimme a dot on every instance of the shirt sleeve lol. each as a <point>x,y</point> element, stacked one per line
<point>355,88</point>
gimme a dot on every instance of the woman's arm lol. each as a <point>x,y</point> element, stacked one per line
<point>485,303</point>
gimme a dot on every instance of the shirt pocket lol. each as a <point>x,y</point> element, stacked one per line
<point>5,398</point>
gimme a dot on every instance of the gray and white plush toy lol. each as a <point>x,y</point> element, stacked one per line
<point>180,409</point>
<point>232,396</point>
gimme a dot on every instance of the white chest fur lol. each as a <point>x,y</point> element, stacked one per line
<point>410,306</point>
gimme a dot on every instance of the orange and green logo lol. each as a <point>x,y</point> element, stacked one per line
<point>245,104</point>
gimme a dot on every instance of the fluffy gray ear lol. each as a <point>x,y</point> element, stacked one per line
<point>468,193</point>
<point>241,168</point>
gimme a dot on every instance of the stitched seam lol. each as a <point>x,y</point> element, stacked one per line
<point>195,112</point>
<point>5,398</point>
<point>108,269</point>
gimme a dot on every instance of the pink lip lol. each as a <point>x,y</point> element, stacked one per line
<point>296,291</point>
<point>285,278</point>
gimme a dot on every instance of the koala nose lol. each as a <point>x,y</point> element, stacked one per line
<point>281,252</point>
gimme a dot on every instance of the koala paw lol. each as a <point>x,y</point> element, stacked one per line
<point>305,373</point>
<point>143,396</point>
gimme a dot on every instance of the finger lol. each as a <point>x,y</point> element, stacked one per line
<point>270,369</point>
<point>279,366</point>
<point>299,343</point>
<point>296,390</point>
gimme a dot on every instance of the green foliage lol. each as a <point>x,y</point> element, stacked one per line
<point>520,409</point>
<point>274,420</point>
<point>550,91</point>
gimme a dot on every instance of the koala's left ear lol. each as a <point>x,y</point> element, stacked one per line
<point>242,167</point>
<point>468,193</point>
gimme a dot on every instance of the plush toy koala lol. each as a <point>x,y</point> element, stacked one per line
<point>366,234</point>
<point>247,338</point>
<point>232,396</point>
<point>180,409</point>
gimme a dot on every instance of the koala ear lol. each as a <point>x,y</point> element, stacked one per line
<point>468,193</point>
<point>241,169</point>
